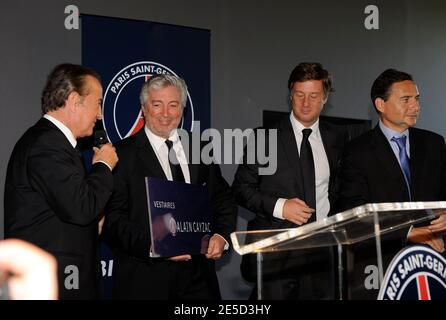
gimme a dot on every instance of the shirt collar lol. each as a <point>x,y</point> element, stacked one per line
<point>390,133</point>
<point>67,132</point>
<point>158,141</point>
<point>298,127</point>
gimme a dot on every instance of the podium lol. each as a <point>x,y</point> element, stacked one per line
<point>367,222</point>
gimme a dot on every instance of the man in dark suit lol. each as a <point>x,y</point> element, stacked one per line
<point>50,200</point>
<point>126,227</point>
<point>394,162</point>
<point>301,190</point>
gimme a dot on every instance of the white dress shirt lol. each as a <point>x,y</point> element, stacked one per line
<point>162,153</point>
<point>321,168</point>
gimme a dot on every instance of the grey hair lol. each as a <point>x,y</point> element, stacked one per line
<point>162,81</point>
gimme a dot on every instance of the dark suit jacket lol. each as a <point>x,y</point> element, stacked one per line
<point>370,173</point>
<point>50,201</point>
<point>126,227</point>
<point>259,193</point>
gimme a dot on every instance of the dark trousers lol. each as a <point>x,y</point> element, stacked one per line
<point>162,279</point>
<point>312,277</point>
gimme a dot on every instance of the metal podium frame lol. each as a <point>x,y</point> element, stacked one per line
<point>345,228</point>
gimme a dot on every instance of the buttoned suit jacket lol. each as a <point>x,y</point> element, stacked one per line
<point>370,173</point>
<point>126,227</point>
<point>259,194</point>
<point>52,202</point>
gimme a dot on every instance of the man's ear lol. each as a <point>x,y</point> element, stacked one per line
<point>73,101</point>
<point>380,104</point>
<point>324,99</point>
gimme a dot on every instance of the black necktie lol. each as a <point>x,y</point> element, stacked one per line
<point>175,168</point>
<point>308,175</point>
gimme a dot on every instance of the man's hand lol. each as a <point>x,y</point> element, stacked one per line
<point>426,236</point>
<point>296,211</point>
<point>107,154</point>
<point>216,247</point>
<point>438,225</point>
<point>33,270</point>
<point>101,224</point>
<point>184,257</point>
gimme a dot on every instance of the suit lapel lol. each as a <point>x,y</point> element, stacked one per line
<point>147,156</point>
<point>288,141</point>
<point>64,143</point>
<point>417,157</point>
<point>329,140</point>
<point>384,154</point>
<point>194,169</point>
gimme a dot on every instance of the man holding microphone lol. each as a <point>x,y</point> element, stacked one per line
<point>50,199</point>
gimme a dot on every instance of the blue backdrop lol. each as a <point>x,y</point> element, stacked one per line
<point>127,52</point>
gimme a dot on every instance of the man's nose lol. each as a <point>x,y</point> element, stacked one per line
<point>416,106</point>
<point>165,111</point>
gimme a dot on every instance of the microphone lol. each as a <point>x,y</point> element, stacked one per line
<point>100,138</point>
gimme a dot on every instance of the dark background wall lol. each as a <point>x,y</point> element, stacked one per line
<point>254,46</point>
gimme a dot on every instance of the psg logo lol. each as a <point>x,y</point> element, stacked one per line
<point>415,273</point>
<point>172,226</point>
<point>121,110</point>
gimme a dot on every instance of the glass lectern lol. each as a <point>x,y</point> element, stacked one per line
<point>366,222</point>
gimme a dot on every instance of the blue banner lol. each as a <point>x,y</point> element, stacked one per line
<point>126,53</point>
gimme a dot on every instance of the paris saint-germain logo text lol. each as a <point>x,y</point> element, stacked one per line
<point>121,111</point>
<point>415,273</point>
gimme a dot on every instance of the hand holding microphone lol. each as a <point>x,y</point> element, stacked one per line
<point>104,150</point>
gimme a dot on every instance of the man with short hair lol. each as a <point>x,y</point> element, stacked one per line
<point>126,228</point>
<point>50,200</point>
<point>302,190</point>
<point>394,162</point>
